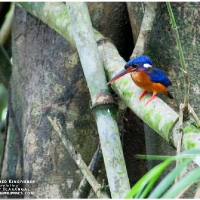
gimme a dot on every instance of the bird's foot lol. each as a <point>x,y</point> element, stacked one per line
<point>145,92</point>
<point>152,97</point>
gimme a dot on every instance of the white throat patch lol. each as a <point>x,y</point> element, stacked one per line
<point>146,65</point>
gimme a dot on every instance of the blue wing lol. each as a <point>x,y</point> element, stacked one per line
<point>158,76</point>
<point>139,59</point>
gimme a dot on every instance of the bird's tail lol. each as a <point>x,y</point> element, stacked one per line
<point>169,95</point>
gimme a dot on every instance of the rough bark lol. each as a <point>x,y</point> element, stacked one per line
<point>46,71</point>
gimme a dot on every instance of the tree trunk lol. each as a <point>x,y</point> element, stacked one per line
<point>47,79</point>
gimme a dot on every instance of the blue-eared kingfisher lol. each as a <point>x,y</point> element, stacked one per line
<point>146,76</point>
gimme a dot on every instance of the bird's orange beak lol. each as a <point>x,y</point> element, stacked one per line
<point>121,73</point>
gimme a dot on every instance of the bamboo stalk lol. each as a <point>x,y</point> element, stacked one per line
<point>97,84</point>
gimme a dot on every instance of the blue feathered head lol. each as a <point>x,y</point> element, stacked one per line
<point>139,59</point>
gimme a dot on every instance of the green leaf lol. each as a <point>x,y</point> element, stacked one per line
<point>183,183</point>
<point>167,181</point>
<point>141,188</point>
<point>185,154</point>
<point>145,184</point>
<point>148,187</point>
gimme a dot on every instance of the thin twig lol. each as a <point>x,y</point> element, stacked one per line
<point>186,97</point>
<point>178,41</point>
<point>194,116</point>
<point>79,161</point>
<point>180,135</point>
<point>94,166</point>
<point>182,59</point>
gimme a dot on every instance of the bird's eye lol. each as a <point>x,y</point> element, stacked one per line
<point>130,67</point>
<point>134,66</point>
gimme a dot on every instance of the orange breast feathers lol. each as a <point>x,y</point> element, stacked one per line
<point>142,80</point>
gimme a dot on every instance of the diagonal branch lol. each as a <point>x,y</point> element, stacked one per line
<point>145,29</point>
<point>194,115</point>
<point>94,166</point>
<point>79,161</point>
